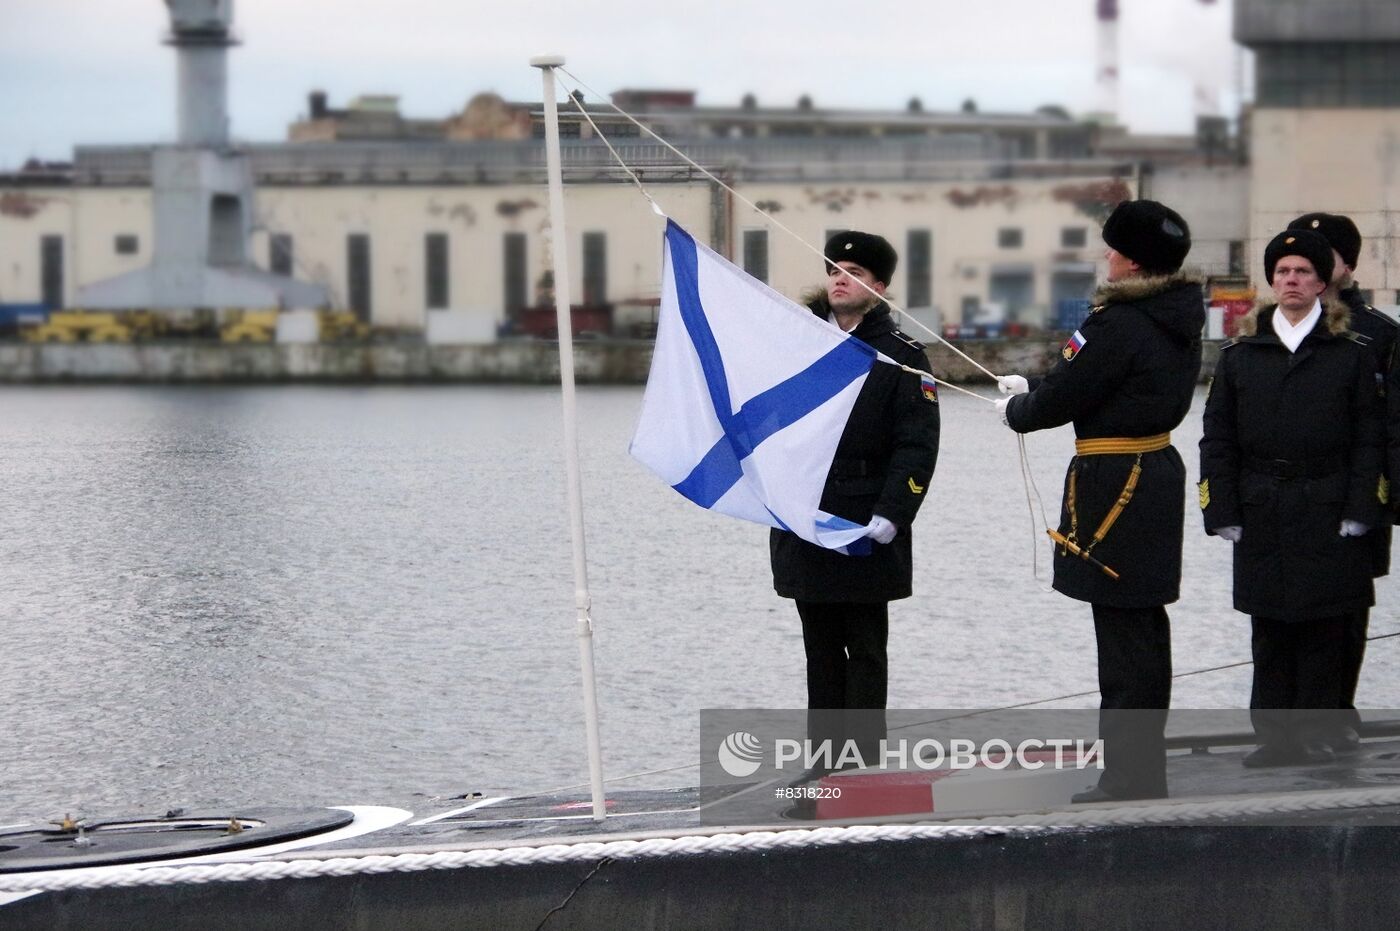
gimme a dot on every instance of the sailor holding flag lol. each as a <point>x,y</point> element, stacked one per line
<point>879,478</point>
<point>1125,379</point>
<point>820,422</point>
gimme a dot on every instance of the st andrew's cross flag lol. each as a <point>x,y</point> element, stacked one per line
<point>747,397</point>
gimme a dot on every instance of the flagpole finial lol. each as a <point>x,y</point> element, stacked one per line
<point>547,61</point>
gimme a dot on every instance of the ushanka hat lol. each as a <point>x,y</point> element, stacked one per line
<point>1312,246</point>
<point>872,253</point>
<point>1337,230</point>
<point>1151,234</point>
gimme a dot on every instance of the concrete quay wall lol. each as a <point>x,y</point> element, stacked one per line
<point>524,362</point>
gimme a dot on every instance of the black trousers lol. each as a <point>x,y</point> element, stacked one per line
<point>1353,656</point>
<point>1135,689</point>
<point>1300,677</point>
<point>847,669</point>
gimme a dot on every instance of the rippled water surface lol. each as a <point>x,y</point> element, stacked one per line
<point>364,595</point>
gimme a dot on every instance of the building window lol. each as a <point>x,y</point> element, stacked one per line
<point>127,244</point>
<point>357,275</point>
<point>279,254</point>
<point>435,282</point>
<point>919,261</point>
<point>1327,74</point>
<point>971,307</point>
<point>595,269</point>
<point>1074,237</point>
<point>1009,237</point>
<point>756,254</point>
<point>51,271</point>
<point>514,271</point>
<point>1011,289</point>
<point>569,128</point>
<point>1236,257</point>
<point>226,234</point>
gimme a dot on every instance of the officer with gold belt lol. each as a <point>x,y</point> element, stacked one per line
<point>1125,379</point>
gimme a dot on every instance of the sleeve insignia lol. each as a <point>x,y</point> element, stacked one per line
<point>1073,345</point>
<point>915,487</point>
<point>1383,490</point>
<point>928,387</point>
<point>1203,492</point>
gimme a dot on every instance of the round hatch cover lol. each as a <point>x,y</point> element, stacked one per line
<point>101,842</point>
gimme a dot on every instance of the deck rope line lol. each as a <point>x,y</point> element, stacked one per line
<point>765,214</point>
<point>758,841</point>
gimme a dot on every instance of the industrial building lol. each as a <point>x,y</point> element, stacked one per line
<point>406,221</point>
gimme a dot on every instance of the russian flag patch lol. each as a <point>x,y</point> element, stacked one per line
<point>929,387</point>
<point>1072,347</point>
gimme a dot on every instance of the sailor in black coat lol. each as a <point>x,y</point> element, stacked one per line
<point>1291,473</point>
<point>880,477</point>
<point>1345,239</point>
<point>1125,380</point>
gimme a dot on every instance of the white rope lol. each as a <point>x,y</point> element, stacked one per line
<point>656,208</point>
<point>1037,538</point>
<point>757,841</point>
<point>766,215</point>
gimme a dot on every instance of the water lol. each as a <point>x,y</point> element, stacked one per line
<point>297,595</point>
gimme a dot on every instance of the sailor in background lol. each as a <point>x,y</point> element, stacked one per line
<point>879,477</point>
<point>1291,473</point>
<point>1341,233</point>
<point>1125,380</point>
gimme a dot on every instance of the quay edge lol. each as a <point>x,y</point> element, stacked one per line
<point>603,362</point>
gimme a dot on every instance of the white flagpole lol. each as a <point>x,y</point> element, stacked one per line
<point>559,247</point>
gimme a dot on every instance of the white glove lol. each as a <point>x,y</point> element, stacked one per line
<point>880,530</point>
<point>1013,384</point>
<point>1352,528</point>
<point>1001,408</point>
<point>1233,534</point>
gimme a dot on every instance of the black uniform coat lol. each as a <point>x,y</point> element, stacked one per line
<point>1382,332</point>
<point>1133,376</point>
<point>1291,447</point>
<point>883,465</point>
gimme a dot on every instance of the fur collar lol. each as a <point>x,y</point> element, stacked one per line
<point>1336,316</point>
<point>1139,287</point>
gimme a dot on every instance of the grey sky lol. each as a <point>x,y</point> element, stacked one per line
<point>94,71</point>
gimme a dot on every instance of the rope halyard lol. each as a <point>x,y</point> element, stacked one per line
<point>757,841</point>
<point>661,213</point>
<point>656,208</point>
<point>580,84</point>
<point>765,214</point>
<point>1029,485</point>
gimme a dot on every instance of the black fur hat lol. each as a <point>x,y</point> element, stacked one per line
<point>1337,230</point>
<point>1312,246</point>
<point>1151,234</point>
<point>872,253</point>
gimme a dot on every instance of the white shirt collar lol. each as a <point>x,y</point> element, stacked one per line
<point>1293,336</point>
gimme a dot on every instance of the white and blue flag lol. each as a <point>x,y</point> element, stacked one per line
<point>747,397</point>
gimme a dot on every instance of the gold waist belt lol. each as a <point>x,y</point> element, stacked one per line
<point>1109,445</point>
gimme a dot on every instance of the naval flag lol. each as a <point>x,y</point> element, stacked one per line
<point>747,397</point>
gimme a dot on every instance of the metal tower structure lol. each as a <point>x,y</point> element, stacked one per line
<point>202,193</point>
